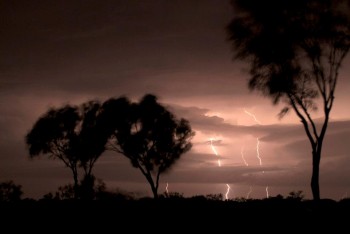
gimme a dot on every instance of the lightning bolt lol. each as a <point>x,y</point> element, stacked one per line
<point>227,191</point>
<point>242,154</point>
<point>258,151</point>
<point>166,188</point>
<point>257,139</point>
<point>249,192</point>
<point>214,150</point>
<point>253,116</point>
<point>219,164</point>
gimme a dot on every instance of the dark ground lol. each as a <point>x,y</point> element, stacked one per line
<point>176,216</point>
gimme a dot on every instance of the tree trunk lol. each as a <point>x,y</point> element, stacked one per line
<point>153,187</point>
<point>86,190</point>
<point>155,192</point>
<point>76,182</point>
<point>316,157</point>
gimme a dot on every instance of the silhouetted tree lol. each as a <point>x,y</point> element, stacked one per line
<point>295,49</point>
<point>148,135</point>
<point>53,134</point>
<point>10,192</point>
<point>72,134</point>
<point>90,145</point>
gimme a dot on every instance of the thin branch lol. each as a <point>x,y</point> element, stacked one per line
<point>303,120</point>
<point>114,147</point>
<point>320,85</point>
<point>142,170</point>
<point>304,108</point>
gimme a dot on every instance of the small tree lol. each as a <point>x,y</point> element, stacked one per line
<point>295,49</point>
<point>72,134</point>
<point>53,134</point>
<point>148,135</point>
<point>10,192</point>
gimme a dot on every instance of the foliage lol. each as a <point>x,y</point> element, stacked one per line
<point>295,50</point>
<point>296,195</point>
<point>65,192</point>
<point>73,134</point>
<point>96,191</point>
<point>173,195</point>
<point>148,135</point>
<point>214,197</point>
<point>291,46</point>
<point>10,192</point>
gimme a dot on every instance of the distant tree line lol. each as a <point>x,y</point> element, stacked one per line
<point>12,192</point>
<point>146,133</point>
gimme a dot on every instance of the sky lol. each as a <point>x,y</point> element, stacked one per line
<point>59,52</point>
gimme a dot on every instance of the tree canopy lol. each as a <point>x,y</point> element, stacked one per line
<point>150,136</point>
<point>72,134</point>
<point>146,133</point>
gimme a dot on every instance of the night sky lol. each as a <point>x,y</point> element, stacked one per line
<point>59,52</point>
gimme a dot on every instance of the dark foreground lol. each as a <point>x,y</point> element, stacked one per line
<point>176,216</point>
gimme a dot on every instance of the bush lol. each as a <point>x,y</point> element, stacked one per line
<point>9,191</point>
<point>298,196</point>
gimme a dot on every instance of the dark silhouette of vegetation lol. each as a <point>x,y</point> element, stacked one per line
<point>200,213</point>
<point>65,192</point>
<point>10,192</point>
<point>173,195</point>
<point>147,134</point>
<point>99,192</point>
<point>73,134</point>
<point>296,195</point>
<point>295,50</point>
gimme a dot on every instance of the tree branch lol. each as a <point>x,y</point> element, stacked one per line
<point>304,108</point>
<point>303,120</point>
